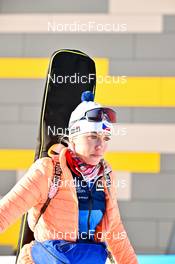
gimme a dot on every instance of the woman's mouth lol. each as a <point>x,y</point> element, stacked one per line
<point>96,155</point>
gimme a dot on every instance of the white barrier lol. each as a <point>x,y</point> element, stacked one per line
<point>7,260</point>
<point>80,23</point>
<point>11,260</point>
<point>143,259</point>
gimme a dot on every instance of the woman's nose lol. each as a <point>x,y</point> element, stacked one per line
<point>99,144</point>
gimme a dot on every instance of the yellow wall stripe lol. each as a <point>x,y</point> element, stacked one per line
<point>10,236</point>
<point>15,159</point>
<point>137,92</point>
<point>111,90</point>
<point>102,66</point>
<point>134,162</point>
<point>131,162</point>
<point>36,68</point>
<point>167,91</point>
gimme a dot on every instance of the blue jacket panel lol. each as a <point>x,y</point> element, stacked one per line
<point>91,201</point>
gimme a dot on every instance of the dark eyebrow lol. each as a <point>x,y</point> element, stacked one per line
<point>94,132</point>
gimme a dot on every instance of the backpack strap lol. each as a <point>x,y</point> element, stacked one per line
<point>56,177</point>
<point>54,184</point>
<point>106,175</point>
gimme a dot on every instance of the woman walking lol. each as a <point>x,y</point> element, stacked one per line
<point>81,222</point>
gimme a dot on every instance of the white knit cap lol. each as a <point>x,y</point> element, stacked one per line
<point>77,126</point>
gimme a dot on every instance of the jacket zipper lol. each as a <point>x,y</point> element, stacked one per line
<point>52,254</point>
<point>90,203</point>
<point>90,209</point>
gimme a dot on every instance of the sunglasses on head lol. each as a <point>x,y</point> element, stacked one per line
<point>100,114</point>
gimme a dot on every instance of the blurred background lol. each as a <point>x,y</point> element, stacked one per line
<point>132,43</point>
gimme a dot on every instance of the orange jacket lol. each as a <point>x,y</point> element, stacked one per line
<point>60,220</point>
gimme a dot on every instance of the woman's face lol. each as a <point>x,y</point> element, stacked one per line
<point>91,146</point>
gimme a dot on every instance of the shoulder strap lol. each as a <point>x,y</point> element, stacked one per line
<point>54,184</point>
<point>108,181</point>
<point>106,174</point>
<point>56,177</point>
